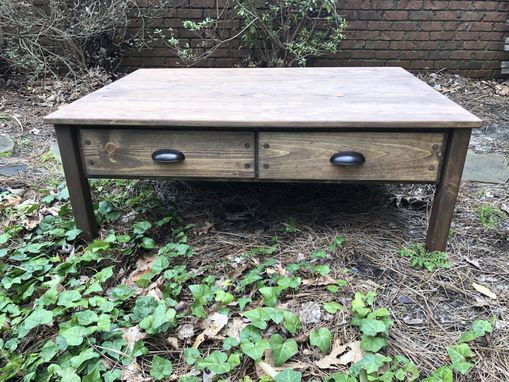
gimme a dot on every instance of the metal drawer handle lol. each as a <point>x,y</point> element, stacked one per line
<point>348,158</point>
<point>168,156</point>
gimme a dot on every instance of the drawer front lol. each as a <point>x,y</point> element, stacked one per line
<point>123,152</point>
<point>387,156</point>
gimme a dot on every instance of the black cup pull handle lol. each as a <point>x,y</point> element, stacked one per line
<point>348,158</point>
<point>168,156</point>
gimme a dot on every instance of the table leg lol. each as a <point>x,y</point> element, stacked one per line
<point>447,189</point>
<point>77,183</point>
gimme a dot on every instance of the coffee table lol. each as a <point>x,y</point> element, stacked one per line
<point>375,125</point>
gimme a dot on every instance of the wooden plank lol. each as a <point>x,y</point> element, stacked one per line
<point>447,189</point>
<point>118,152</point>
<point>268,97</point>
<point>77,183</point>
<point>389,156</point>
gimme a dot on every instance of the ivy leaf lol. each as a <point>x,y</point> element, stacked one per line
<point>276,315</point>
<point>332,307</point>
<point>289,375</point>
<point>191,355</point>
<point>282,350</point>
<point>86,317</point>
<point>460,357</point>
<point>255,350</point>
<point>340,377</point>
<point>443,374</point>
<point>479,329</point>
<point>373,344</point>
<point>229,343</point>
<point>359,305</point>
<point>270,295</point>
<point>161,368</point>
<point>371,326</point>
<point>38,317</point>
<point>258,317</point>
<point>148,243</point>
<point>216,362</point>
<point>141,227</point>
<point>291,322</point>
<point>322,270</point>
<point>83,357</point>
<point>68,298</point>
<point>321,338</point>
<point>370,362</point>
<point>74,336</point>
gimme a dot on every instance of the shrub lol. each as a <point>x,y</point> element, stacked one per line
<point>68,35</point>
<point>279,33</point>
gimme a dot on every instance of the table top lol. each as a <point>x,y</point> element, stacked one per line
<point>325,97</point>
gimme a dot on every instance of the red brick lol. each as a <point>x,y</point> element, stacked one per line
<point>442,35</point>
<point>475,45</point>
<point>491,36</point>
<point>495,16</point>
<point>392,35</point>
<point>419,36</point>
<point>432,25</point>
<point>447,16</point>
<point>404,26</point>
<point>396,15</point>
<point>411,4</point>
<point>387,54</point>
<point>467,35</point>
<point>401,45</point>
<point>425,45</point>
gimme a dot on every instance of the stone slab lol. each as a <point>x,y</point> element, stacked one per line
<point>13,170</point>
<point>6,144</point>
<point>486,168</point>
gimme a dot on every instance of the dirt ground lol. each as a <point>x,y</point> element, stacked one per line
<point>429,309</point>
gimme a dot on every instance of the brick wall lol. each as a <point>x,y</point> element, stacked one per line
<point>465,37</point>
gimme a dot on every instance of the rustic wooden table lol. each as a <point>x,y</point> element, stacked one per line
<point>284,124</point>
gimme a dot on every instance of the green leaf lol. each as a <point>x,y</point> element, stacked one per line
<point>373,344</point>
<point>148,243</point>
<point>282,350</point>
<point>371,326</point>
<point>191,355</point>
<point>83,357</point>
<point>370,363</point>
<point>74,336</point>
<point>216,362</point>
<point>250,333</point>
<point>38,317</point>
<point>161,368</point>
<point>255,350</point>
<point>141,227</point>
<point>223,297</point>
<point>461,355</point>
<point>332,307</point>
<point>479,329</point>
<point>443,374</point>
<point>270,295</point>
<point>322,338</point>
<point>229,343</point>
<point>243,301</point>
<point>322,270</point>
<point>68,298</point>
<point>359,305</point>
<point>289,375</point>
<point>340,377</point>
<point>86,317</point>
<point>291,322</point>
<point>258,317</point>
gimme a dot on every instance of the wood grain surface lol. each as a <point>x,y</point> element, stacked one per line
<point>268,97</point>
<point>389,156</point>
<point>117,152</point>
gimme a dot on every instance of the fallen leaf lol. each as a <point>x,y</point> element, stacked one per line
<point>185,332</point>
<point>412,321</point>
<point>215,323</point>
<point>310,313</point>
<point>485,291</point>
<point>473,262</point>
<point>31,222</point>
<point>131,335</point>
<point>234,328</point>
<point>9,201</point>
<point>174,342</point>
<point>203,230</point>
<point>142,267</point>
<point>340,356</point>
<point>198,341</point>
<point>133,373</point>
<point>326,280</point>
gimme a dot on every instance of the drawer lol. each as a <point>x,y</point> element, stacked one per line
<point>129,152</point>
<point>388,156</point>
